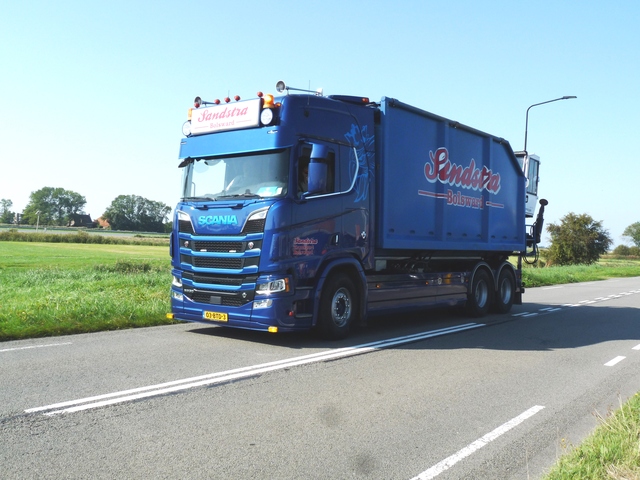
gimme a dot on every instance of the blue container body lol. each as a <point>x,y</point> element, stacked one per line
<point>445,187</point>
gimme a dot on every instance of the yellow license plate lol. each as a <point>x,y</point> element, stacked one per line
<point>215,316</point>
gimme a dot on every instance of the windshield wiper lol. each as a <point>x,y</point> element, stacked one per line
<point>241,195</point>
<point>198,199</point>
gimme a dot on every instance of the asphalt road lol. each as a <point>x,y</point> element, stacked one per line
<point>429,395</point>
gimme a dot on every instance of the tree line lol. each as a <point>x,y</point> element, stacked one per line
<point>59,207</point>
<point>577,240</point>
<point>581,240</point>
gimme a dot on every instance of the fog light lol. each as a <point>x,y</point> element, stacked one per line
<point>266,303</point>
<point>177,295</point>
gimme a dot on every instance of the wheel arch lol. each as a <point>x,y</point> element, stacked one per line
<point>481,266</point>
<point>350,267</point>
<point>496,274</point>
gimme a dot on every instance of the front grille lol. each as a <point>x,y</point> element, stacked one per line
<point>207,262</point>
<point>226,299</point>
<point>218,279</point>
<point>220,262</point>
<point>207,246</point>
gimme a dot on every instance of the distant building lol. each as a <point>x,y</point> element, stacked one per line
<point>102,223</point>
<point>81,220</point>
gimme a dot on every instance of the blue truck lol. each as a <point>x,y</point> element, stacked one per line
<point>301,211</point>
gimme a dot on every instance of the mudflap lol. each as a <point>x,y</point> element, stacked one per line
<point>517,300</point>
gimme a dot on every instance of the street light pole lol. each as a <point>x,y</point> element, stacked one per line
<point>526,126</point>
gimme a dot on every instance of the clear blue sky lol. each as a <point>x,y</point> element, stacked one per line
<point>94,94</point>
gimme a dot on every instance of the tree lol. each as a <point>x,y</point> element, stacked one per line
<point>132,212</point>
<point>52,206</point>
<point>579,239</point>
<point>633,232</point>
<point>6,215</point>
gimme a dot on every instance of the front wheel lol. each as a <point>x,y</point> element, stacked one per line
<point>480,297</point>
<point>338,307</point>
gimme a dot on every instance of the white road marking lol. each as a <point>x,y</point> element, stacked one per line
<point>449,462</point>
<point>637,347</point>
<point>34,346</point>
<point>238,373</point>
<point>571,305</point>
<point>611,363</point>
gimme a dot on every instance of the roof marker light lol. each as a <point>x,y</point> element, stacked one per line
<point>237,98</point>
<point>268,101</point>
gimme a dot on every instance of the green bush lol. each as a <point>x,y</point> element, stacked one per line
<point>621,250</point>
<point>624,251</point>
<point>80,236</point>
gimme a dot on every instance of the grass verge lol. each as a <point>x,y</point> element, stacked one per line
<point>612,452</point>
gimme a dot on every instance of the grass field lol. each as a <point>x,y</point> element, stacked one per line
<point>607,267</point>
<point>51,289</point>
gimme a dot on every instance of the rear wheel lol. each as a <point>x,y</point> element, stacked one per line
<point>338,307</point>
<point>506,291</point>
<point>480,297</point>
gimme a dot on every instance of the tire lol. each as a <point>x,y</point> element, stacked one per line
<point>506,291</point>
<point>338,308</point>
<point>480,297</point>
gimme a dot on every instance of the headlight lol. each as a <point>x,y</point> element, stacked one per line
<point>258,214</point>
<point>266,303</point>
<point>266,116</point>
<point>275,286</point>
<point>184,217</point>
<point>176,282</point>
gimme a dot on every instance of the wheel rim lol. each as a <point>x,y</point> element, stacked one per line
<point>341,307</point>
<point>506,291</point>
<point>482,294</point>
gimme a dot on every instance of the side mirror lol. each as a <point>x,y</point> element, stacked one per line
<point>317,177</point>
<point>318,169</point>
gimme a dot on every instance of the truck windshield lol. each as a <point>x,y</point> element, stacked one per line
<point>263,174</point>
